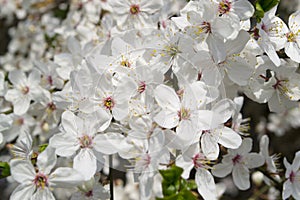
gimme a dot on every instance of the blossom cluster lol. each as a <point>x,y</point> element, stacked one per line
<point>145,85</point>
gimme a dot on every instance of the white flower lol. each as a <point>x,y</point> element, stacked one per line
<point>81,134</point>
<point>25,90</point>
<point>264,151</point>
<point>291,186</point>
<point>194,158</point>
<point>279,86</point>
<point>218,133</point>
<point>271,34</point>
<point>5,123</point>
<point>239,161</point>
<point>184,114</point>
<point>37,184</point>
<point>135,13</point>
<point>292,46</point>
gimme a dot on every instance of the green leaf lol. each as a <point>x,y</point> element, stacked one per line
<point>268,4</point>
<point>172,174</point>
<point>4,169</point>
<point>42,147</point>
<point>191,184</point>
<point>262,6</point>
<point>259,12</point>
<point>187,194</point>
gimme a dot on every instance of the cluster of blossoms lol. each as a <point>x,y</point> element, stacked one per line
<point>144,85</point>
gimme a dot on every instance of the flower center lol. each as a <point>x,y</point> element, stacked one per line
<point>142,87</point>
<point>134,9</point>
<point>41,180</point>
<point>224,7</point>
<point>19,121</point>
<point>291,37</point>
<point>108,103</point>
<point>206,27</point>
<point>51,107</point>
<point>125,63</point>
<point>50,80</point>
<point>237,159</point>
<point>89,193</point>
<point>172,50</point>
<point>25,90</point>
<point>86,141</point>
<point>184,114</point>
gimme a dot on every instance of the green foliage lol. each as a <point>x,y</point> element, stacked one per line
<point>50,40</point>
<point>42,147</point>
<point>174,187</point>
<point>262,6</point>
<point>4,170</point>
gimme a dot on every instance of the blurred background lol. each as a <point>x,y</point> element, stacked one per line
<point>284,135</point>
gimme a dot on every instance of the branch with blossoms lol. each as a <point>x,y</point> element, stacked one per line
<point>152,90</point>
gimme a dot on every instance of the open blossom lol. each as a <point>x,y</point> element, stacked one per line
<point>194,158</point>
<point>25,89</point>
<point>279,86</point>
<point>239,161</point>
<point>37,183</point>
<point>79,136</point>
<point>292,46</point>
<point>291,186</point>
<point>135,13</point>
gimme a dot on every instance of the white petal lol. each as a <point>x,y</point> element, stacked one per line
<point>296,162</point>
<point>238,70</point>
<point>292,50</point>
<point>209,145</point>
<point>221,170</point>
<point>217,48</point>
<point>223,110</point>
<point>245,147</point>
<point>46,160</point>
<point>240,174</point>
<point>43,194</point>
<point>167,119</point>
<point>294,21</point>
<point>120,111</point>
<point>17,77</point>
<point>166,98</point>
<point>206,184</point>
<point>21,105</point>
<point>238,44</point>
<point>254,160</point>
<point>65,144</point>
<point>86,163</point>
<point>243,9</point>
<point>229,138</point>
<point>287,190</point>
<point>71,123</point>
<point>65,177</point>
<point>186,132</point>
<point>23,191</point>
<point>34,77</point>
<point>222,27</point>
<point>146,184</point>
<point>185,165</point>
<point>22,171</point>
<point>108,143</point>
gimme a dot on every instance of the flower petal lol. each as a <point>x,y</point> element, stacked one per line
<point>221,170</point>
<point>23,191</point>
<point>22,171</point>
<point>65,177</point>
<point>86,163</point>
<point>206,184</point>
<point>229,138</point>
<point>240,174</point>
